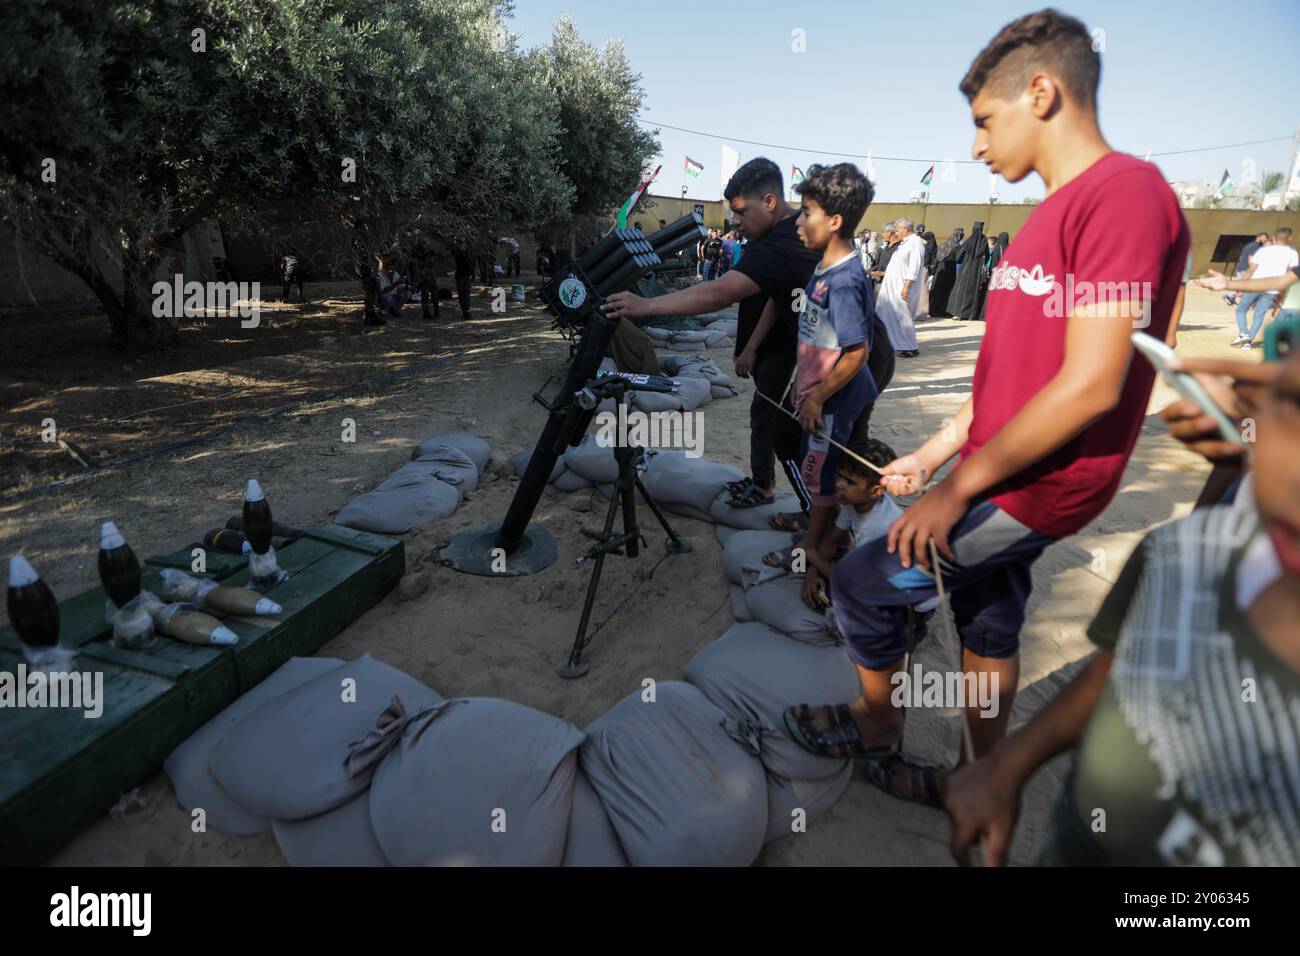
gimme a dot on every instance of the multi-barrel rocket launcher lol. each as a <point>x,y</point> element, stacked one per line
<point>574,296</point>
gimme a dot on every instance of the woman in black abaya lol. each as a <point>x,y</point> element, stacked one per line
<point>998,250</point>
<point>945,272</point>
<point>964,302</point>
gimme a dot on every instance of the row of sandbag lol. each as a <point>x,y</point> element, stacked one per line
<point>358,764</point>
<point>690,487</point>
<point>717,330</point>
<point>430,486</point>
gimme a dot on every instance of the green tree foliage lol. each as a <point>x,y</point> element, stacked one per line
<point>604,150</point>
<point>390,120</point>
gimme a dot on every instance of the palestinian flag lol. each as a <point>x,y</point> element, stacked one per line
<point>631,200</point>
<point>1225,186</point>
<point>929,176</point>
<point>796,175</point>
<point>693,168</point>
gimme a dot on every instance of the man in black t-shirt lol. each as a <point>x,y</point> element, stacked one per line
<point>776,266</point>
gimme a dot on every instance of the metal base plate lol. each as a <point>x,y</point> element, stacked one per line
<point>471,552</point>
<point>573,672</point>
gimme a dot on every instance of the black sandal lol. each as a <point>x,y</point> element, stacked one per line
<point>738,487</point>
<point>922,779</point>
<point>751,498</point>
<point>789,521</point>
<point>839,740</point>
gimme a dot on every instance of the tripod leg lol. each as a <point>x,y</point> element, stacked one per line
<point>576,666</point>
<point>625,489</point>
<point>675,545</point>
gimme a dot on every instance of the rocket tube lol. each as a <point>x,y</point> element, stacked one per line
<point>607,244</point>
<point>611,263</point>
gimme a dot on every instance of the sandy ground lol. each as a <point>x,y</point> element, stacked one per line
<point>467,635</point>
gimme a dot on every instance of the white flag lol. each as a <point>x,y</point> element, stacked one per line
<point>871,170</point>
<point>993,186</point>
<point>730,163</point>
<point>1147,157</point>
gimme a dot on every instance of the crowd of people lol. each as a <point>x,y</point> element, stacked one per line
<point>1188,767</point>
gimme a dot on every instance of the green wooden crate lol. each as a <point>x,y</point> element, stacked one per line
<point>60,770</point>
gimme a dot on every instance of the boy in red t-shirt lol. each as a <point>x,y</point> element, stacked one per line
<point>1055,409</point>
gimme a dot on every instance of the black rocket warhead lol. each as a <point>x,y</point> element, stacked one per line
<point>119,571</point>
<point>258,524</point>
<point>32,608</point>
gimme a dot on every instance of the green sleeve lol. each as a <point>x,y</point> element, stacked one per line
<point>1105,627</point>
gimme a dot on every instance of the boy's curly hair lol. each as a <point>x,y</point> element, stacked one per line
<point>841,190</point>
<point>876,452</point>
<point>1046,40</point>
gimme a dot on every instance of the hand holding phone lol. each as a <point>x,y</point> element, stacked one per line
<point>1161,355</point>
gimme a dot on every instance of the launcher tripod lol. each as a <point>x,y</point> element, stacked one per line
<point>631,462</point>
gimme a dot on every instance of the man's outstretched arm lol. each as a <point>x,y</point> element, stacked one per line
<point>705,297</point>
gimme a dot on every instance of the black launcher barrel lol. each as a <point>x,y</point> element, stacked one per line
<point>677,235</point>
<point>583,368</point>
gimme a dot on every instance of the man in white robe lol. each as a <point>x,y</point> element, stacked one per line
<point>900,290</point>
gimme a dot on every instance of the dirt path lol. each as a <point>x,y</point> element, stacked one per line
<point>477,636</point>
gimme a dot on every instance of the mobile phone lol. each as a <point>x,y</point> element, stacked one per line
<point>1282,338</point>
<point>1160,355</point>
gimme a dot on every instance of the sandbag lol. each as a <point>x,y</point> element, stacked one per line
<point>754,673</point>
<point>813,797</point>
<point>685,511</point>
<point>779,605</point>
<point>688,335</point>
<point>672,477</point>
<point>730,326</point>
<point>755,518</point>
<point>686,346</point>
<point>742,556</point>
<point>187,766</point>
<point>716,339</point>
<point>659,335</point>
<point>739,606</point>
<point>680,780</point>
<point>592,461</point>
<point>400,504</point>
<point>479,451</point>
<point>286,761</point>
<point>446,463</point>
<point>692,391</point>
<point>569,480</point>
<point>723,391</point>
<point>520,459</point>
<point>340,837</point>
<point>724,533</point>
<point>477,781</point>
<point>591,839</point>
<point>655,402</point>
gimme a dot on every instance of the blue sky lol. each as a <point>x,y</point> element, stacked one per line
<point>883,76</point>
